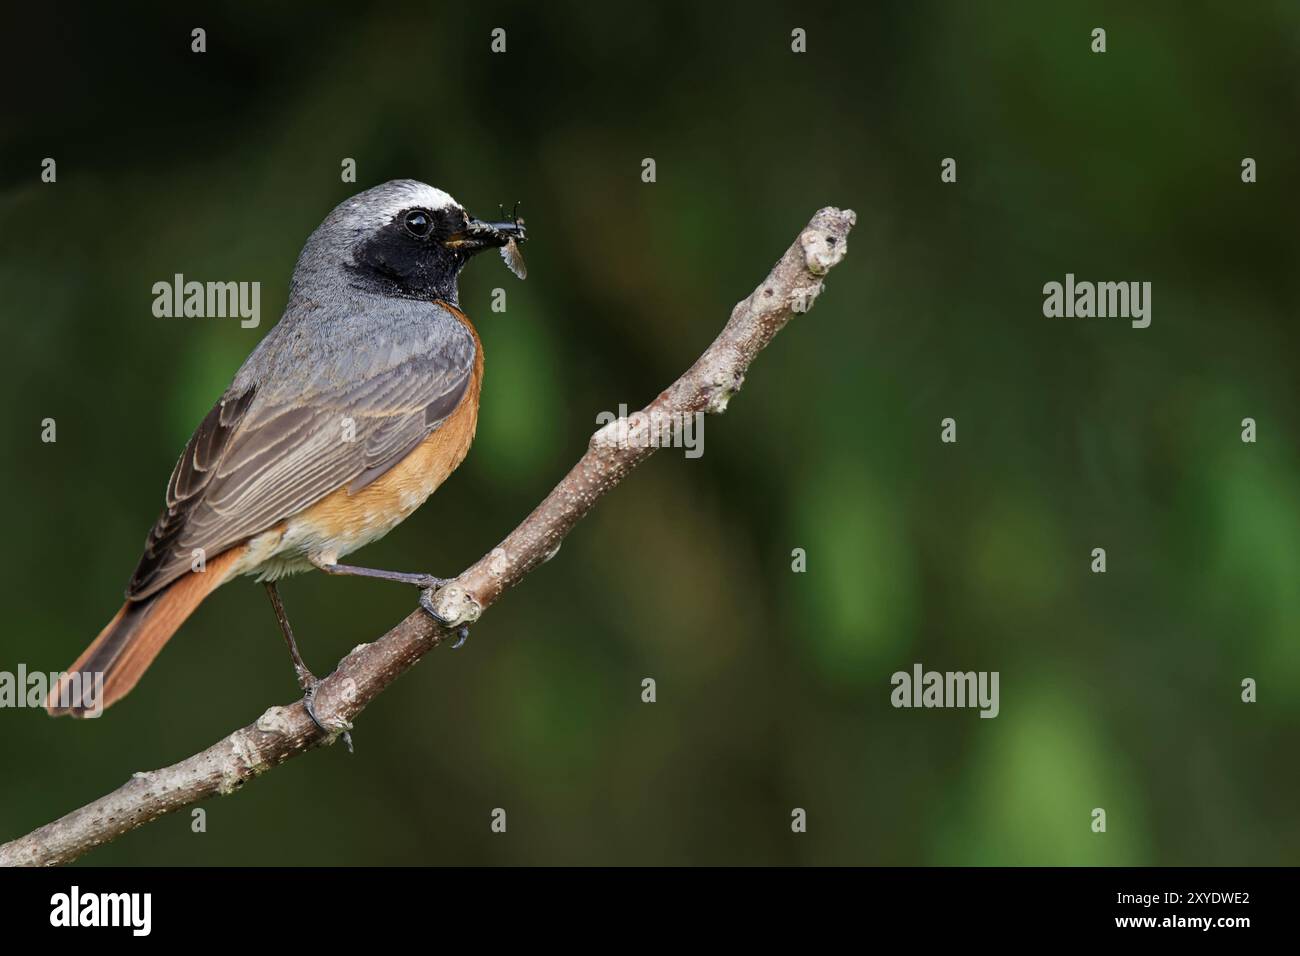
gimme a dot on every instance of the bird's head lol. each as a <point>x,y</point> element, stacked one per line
<point>403,238</point>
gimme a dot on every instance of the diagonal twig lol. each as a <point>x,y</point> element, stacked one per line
<point>614,450</point>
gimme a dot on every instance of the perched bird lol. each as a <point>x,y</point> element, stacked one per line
<point>351,411</point>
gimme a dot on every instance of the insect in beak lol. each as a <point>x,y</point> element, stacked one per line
<point>505,234</point>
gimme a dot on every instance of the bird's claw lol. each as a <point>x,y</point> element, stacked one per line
<point>309,704</point>
<point>426,602</point>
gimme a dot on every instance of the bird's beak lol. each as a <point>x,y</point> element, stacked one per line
<point>479,235</point>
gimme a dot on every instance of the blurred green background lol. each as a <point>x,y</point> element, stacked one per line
<point>1118,690</point>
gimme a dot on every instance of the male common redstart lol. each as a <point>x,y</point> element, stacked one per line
<point>351,411</point>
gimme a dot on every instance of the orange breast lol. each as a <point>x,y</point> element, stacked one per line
<point>342,522</point>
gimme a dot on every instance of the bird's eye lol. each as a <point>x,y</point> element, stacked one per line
<point>418,223</point>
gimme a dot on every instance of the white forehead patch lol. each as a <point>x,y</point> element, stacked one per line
<point>376,207</point>
<point>430,197</point>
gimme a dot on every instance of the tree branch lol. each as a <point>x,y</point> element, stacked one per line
<point>614,450</point>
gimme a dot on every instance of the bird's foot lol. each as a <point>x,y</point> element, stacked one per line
<point>426,602</point>
<point>341,727</point>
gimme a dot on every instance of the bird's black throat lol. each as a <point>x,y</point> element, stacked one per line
<point>394,263</point>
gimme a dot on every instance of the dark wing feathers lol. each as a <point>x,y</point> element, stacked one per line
<point>257,459</point>
<point>188,480</point>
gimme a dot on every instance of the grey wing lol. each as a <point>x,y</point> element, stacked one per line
<point>256,460</point>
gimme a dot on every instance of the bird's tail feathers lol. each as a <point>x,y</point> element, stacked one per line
<point>108,669</point>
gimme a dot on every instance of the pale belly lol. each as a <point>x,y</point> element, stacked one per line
<point>290,549</point>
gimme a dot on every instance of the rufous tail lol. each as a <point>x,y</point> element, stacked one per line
<point>108,669</point>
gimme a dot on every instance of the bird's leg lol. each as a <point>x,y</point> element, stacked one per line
<point>422,581</point>
<point>427,584</point>
<point>306,679</point>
